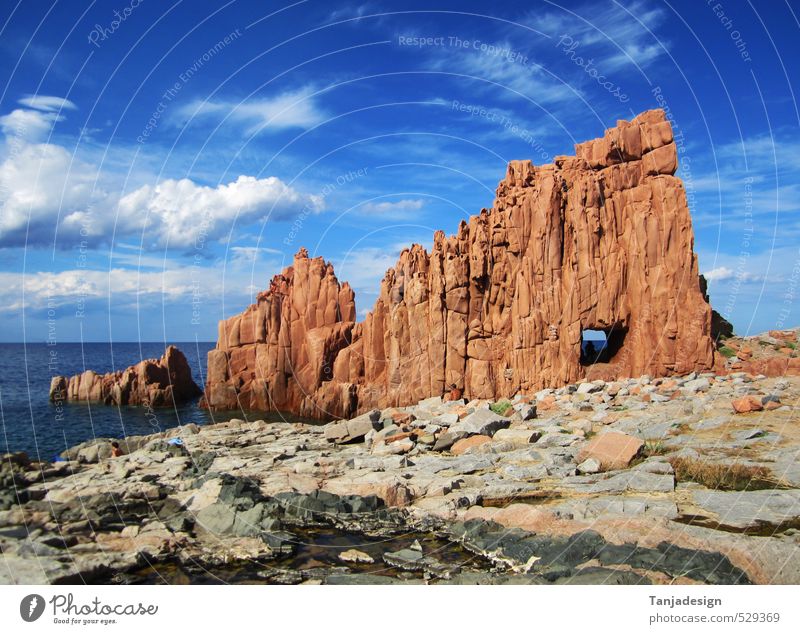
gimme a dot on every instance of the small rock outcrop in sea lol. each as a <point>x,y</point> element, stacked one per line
<point>598,241</point>
<point>163,382</point>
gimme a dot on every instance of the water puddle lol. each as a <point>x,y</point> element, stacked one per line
<point>316,556</point>
<point>533,498</point>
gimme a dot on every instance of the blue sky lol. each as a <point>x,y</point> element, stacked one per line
<point>160,161</point>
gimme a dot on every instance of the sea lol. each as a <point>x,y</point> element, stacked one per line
<point>30,422</point>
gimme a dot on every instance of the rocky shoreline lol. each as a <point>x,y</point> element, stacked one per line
<point>691,479</point>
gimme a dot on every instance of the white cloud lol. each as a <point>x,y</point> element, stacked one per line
<point>608,31</point>
<point>34,125</point>
<point>247,257</point>
<point>37,185</point>
<point>66,287</point>
<point>724,274</point>
<point>393,209</point>
<point>520,76</point>
<point>295,109</point>
<point>28,125</point>
<point>45,189</point>
<point>719,274</point>
<point>47,103</point>
<point>181,212</point>
<point>125,288</point>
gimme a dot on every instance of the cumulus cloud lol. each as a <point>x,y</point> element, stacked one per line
<point>36,121</point>
<point>181,212</point>
<point>28,125</point>
<point>295,109</point>
<point>37,185</point>
<point>46,191</point>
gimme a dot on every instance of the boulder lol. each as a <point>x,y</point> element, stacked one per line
<point>747,404</point>
<point>353,430</point>
<point>483,421</point>
<point>588,466</point>
<point>526,411</point>
<point>613,450</point>
<point>696,385</point>
<point>520,437</point>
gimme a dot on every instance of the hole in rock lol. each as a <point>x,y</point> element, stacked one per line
<point>600,345</point>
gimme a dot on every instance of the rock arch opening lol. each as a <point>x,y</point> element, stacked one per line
<point>601,345</point>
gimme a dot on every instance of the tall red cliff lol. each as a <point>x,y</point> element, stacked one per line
<point>598,241</point>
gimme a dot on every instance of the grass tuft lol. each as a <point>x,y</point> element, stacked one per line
<point>724,477</point>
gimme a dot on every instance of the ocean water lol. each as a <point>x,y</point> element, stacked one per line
<point>29,422</point>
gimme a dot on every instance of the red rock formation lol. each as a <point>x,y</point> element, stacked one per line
<point>162,382</point>
<point>602,240</point>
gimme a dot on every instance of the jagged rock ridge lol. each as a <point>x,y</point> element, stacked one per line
<point>598,241</point>
<point>163,382</point>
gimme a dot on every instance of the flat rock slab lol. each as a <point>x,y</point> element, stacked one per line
<point>748,509</point>
<point>612,449</point>
<point>611,506</point>
<point>634,480</point>
<point>461,446</point>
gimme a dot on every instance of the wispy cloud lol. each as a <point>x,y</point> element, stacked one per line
<point>756,178</point>
<point>47,103</point>
<point>387,209</point>
<point>617,36</point>
<point>522,75</point>
<point>294,109</point>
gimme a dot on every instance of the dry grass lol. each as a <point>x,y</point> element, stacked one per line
<point>653,448</point>
<point>725,477</point>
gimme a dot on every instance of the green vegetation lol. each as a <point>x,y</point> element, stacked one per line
<point>653,448</point>
<point>727,352</point>
<point>500,407</point>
